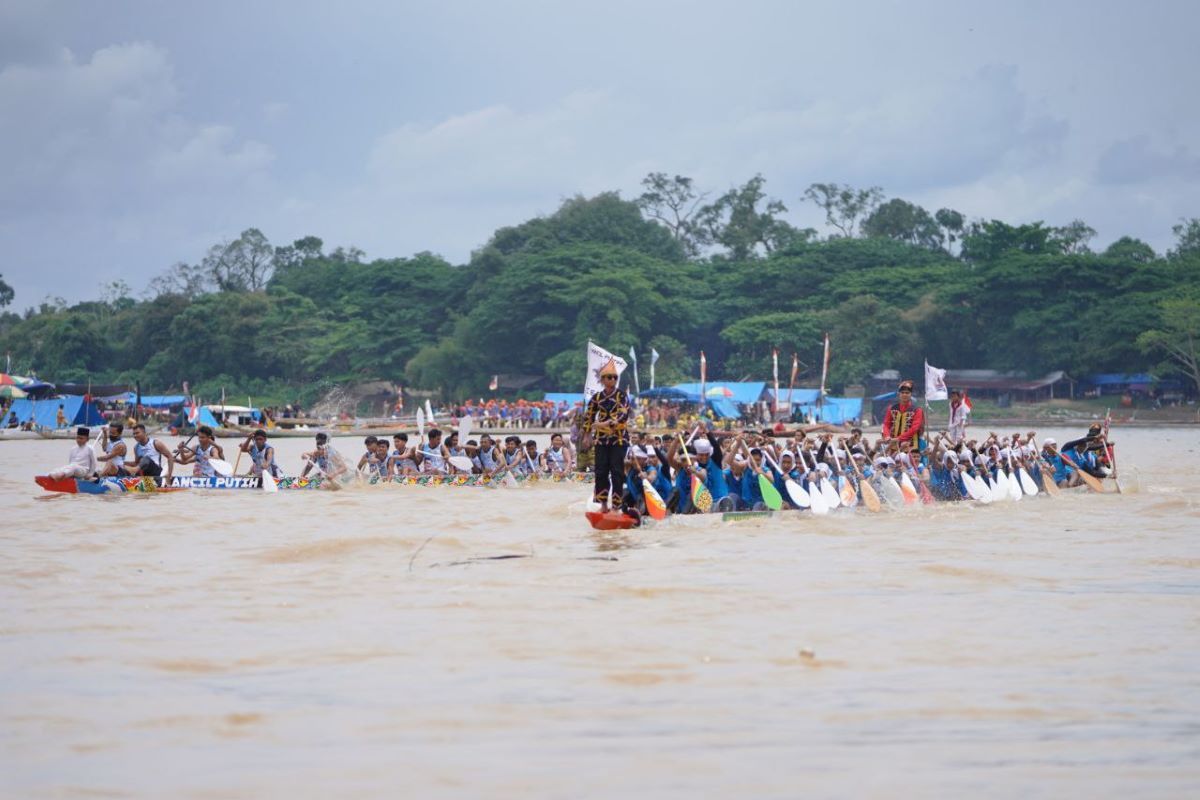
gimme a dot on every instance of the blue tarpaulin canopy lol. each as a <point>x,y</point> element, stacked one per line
<point>45,412</point>
<point>741,393</point>
<point>834,410</point>
<point>724,408</point>
<point>800,397</point>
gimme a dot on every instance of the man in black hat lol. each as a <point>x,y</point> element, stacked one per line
<point>81,462</point>
<point>904,420</point>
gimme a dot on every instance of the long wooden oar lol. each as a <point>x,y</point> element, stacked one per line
<point>869,496</point>
<point>1091,480</point>
<point>701,496</point>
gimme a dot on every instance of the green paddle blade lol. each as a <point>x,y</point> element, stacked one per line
<point>770,494</point>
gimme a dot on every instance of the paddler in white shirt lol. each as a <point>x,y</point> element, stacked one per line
<point>151,455</point>
<point>81,461</point>
<point>557,458</point>
<point>960,413</point>
<point>113,460</point>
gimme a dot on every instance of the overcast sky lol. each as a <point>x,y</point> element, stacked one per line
<point>136,134</point>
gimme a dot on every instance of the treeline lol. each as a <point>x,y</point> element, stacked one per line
<point>892,284</point>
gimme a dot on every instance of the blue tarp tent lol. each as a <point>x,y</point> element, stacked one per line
<point>207,418</point>
<point>835,410</point>
<point>45,412</point>
<point>724,408</point>
<point>741,393</point>
<point>570,398</point>
<point>800,397</point>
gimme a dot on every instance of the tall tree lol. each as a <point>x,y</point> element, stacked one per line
<point>6,293</point>
<point>673,203</point>
<point>951,222</point>
<point>905,222</point>
<point>744,219</point>
<point>1188,234</point>
<point>1178,335</point>
<point>844,205</point>
<point>244,264</point>
<point>1133,251</point>
<point>1073,237</point>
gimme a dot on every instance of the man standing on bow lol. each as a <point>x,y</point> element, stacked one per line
<point>904,421</point>
<point>606,422</point>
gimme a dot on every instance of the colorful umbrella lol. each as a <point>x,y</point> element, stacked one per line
<point>11,391</point>
<point>719,391</point>
<point>12,380</point>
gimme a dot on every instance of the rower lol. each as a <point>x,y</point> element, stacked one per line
<point>150,455</point>
<point>370,456</point>
<point>262,455</point>
<point>434,454</point>
<point>734,475</point>
<point>514,459</point>
<point>113,459</point>
<point>321,458</point>
<point>402,460</point>
<point>381,467</point>
<point>531,455</point>
<point>454,449</point>
<point>81,461</point>
<point>557,458</point>
<point>489,457</point>
<point>710,473</point>
<point>202,454</point>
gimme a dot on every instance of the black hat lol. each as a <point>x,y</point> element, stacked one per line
<point>83,432</point>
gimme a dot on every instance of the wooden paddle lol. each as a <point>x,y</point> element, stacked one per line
<point>845,489</point>
<point>795,491</point>
<point>870,497</point>
<point>701,497</point>
<point>1091,480</point>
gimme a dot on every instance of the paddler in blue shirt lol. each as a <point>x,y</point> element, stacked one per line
<point>657,474</point>
<point>710,473</point>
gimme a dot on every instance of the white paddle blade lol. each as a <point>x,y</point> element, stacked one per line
<point>832,498</point>
<point>1027,483</point>
<point>461,462</point>
<point>420,424</point>
<point>268,482</point>
<point>222,468</point>
<point>796,492</point>
<point>429,412</point>
<point>464,430</point>
<point>816,499</point>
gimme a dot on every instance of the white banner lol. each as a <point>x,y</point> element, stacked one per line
<point>653,361</point>
<point>597,358</point>
<point>935,384</point>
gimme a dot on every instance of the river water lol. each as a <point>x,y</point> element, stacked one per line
<point>370,643</point>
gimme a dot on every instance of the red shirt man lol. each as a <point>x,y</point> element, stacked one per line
<point>903,420</point>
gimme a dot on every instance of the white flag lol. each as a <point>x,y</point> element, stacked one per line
<point>653,361</point>
<point>935,383</point>
<point>633,359</point>
<point>597,357</point>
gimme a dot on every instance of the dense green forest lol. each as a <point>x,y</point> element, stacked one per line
<point>675,269</point>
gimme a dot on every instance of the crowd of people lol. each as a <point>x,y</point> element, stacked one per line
<point>715,471</point>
